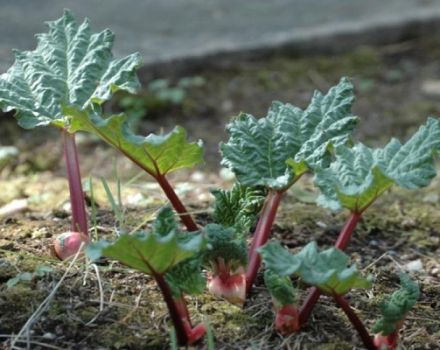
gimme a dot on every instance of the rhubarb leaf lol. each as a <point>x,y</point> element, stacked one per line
<point>395,307</point>
<point>186,277</point>
<point>71,66</point>
<point>279,260</point>
<point>280,288</point>
<point>150,252</point>
<point>238,207</point>
<point>326,270</point>
<point>224,244</point>
<point>276,150</point>
<point>361,174</point>
<point>156,154</point>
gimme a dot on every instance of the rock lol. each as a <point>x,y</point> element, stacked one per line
<point>226,174</point>
<point>13,207</point>
<point>7,155</point>
<point>431,87</point>
<point>198,176</point>
<point>414,266</point>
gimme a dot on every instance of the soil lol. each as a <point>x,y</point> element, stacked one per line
<point>397,87</point>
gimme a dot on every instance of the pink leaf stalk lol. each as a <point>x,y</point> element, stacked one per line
<point>341,243</point>
<point>186,333</point>
<point>356,322</point>
<point>261,235</point>
<point>68,243</point>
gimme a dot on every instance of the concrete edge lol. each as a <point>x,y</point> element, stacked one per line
<point>339,39</point>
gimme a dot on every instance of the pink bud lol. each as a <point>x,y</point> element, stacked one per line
<point>68,243</point>
<point>231,287</point>
<point>386,342</point>
<point>287,320</point>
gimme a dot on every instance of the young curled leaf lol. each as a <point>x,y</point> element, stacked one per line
<point>238,207</point>
<point>71,66</point>
<point>224,243</point>
<point>395,307</point>
<point>327,270</point>
<point>156,154</point>
<point>361,174</point>
<point>280,288</point>
<point>275,151</point>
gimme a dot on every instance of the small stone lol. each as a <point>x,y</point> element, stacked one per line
<point>373,243</point>
<point>197,176</point>
<point>7,155</point>
<point>226,174</point>
<point>431,198</point>
<point>49,335</point>
<point>41,233</point>
<point>321,224</point>
<point>14,207</point>
<point>414,266</point>
<point>435,272</point>
<point>431,87</point>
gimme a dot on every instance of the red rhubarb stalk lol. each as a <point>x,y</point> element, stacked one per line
<point>77,203</point>
<point>341,243</point>
<point>261,235</point>
<point>186,334</point>
<point>356,322</point>
<point>347,231</point>
<point>178,206</point>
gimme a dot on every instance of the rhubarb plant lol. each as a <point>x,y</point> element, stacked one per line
<point>275,151</point>
<point>158,155</point>
<point>284,299</point>
<point>359,175</point>
<point>70,67</point>
<point>394,309</point>
<point>171,258</point>
<point>330,273</point>
<point>235,213</point>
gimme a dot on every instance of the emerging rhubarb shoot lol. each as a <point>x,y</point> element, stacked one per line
<point>394,309</point>
<point>70,67</point>
<point>158,155</point>
<point>235,212</point>
<point>284,298</point>
<point>360,175</point>
<point>328,271</point>
<point>171,258</point>
<point>275,151</point>
<point>227,257</point>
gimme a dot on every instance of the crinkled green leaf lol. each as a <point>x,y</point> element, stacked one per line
<point>327,270</point>
<point>224,244</point>
<point>156,154</point>
<point>280,288</point>
<point>186,277</point>
<point>70,66</point>
<point>361,174</point>
<point>238,207</point>
<point>257,150</point>
<point>150,252</point>
<point>395,307</point>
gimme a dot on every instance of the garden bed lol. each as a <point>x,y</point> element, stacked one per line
<point>396,88</point>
